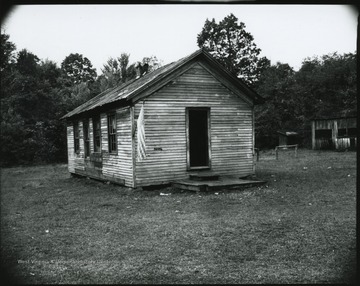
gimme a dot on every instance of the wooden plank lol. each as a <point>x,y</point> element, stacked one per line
<point>98,176</point>
<point>335,133</point>
<point>133,146</point>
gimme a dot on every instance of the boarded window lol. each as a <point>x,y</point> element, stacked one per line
<point>112,133</point>
<point>76,137</point>
<point>323,134</point>
<point>86,138</point>
<point>97,133</point>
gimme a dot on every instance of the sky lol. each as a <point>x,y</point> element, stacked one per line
<point>284,33</point>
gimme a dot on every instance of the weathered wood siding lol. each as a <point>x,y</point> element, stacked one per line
<point>119,165</point>
<point>333,126</point>
<point>231,121</point>
<point>70,148</point>
<point>116,167</point>
<point>76,160</point>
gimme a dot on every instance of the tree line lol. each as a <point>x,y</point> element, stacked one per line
<point>36,93</point>
<point>324,86</point>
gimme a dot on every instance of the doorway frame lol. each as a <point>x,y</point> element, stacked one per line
<point>208,167</point>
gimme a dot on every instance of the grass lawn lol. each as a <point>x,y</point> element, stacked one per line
<point>300,227</point>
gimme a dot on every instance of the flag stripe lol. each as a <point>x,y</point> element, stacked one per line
<point>141,146</point>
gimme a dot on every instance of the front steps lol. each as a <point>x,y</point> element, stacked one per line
<point>208,181</point>
<point>204,176</point>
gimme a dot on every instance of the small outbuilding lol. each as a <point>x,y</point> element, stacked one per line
<point>334,133</point>
<point>288,137</point>
<point>188,116</point>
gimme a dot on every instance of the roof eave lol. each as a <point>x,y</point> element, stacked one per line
<point>115,104</point>
<point>84,109</point>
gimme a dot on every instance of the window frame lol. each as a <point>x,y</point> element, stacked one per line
<point>97,133</point>
<point>86,137</point>
<point>76,137</point>
<point>112,133</point>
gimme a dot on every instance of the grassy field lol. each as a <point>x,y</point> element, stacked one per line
<point>300,227</point>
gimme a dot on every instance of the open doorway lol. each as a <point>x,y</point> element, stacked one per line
<point>198,134</point>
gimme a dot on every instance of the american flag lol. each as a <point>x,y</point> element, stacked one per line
<point>141,146</point>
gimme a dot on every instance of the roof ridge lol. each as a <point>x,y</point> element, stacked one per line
<point>128,90</point>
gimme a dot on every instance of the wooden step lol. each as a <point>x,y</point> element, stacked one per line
<point>204,176</point>
<point>224,183</point>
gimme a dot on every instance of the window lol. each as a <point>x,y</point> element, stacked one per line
<point>86,138</point>
<point>112,133</point>
<point>76,138</point>
<point>97,133</point>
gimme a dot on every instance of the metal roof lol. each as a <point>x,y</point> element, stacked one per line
<point>287,133</point>
<point>129,89</point>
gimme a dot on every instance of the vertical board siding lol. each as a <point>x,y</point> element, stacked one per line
<point>335,142</point>
<point>231,121</point>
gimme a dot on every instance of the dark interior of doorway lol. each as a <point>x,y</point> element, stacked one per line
<point>198,137</point>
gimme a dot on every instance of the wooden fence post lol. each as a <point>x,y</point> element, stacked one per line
<point>285,147</point>
<point>257,154</point>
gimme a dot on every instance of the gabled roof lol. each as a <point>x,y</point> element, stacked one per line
<point>125,92</point>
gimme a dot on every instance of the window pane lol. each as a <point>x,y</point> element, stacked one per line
<point>97,134</point>
<point>112,132</point>
<point>76,138</point>
<point>86,138</point>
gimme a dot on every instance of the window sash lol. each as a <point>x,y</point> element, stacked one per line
<point>112,133</point>
<point>76,137</point>
<point>86,138</point>
<point>97,134</point>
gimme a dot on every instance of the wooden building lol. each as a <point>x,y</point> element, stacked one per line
<point>334,133</point>
<point>187,116</point>
<point>288,137</point>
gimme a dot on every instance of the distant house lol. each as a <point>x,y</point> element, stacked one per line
<point>187,116</point>
<point>334,133</point>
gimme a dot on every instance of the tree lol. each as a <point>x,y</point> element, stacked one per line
<point>50,73</point>
<point>78,68</point>
<point>328,85</point>
<point>117,70</point>
<point>27,63</point>
<point>7,63</point>
<point>114,72</point>
<point>7,52</point>
<point>275,85</point>
<point>229,43</point>
<point>324,86</point>
<point>123,63</point>
<point>153,63</point>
